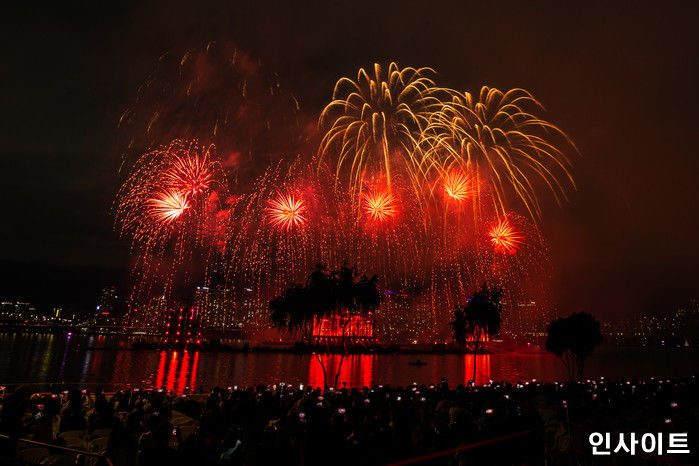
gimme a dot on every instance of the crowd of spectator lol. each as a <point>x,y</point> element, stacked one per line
<point>284,424</point>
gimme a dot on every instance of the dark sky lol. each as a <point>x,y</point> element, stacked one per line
<point>619,77</point>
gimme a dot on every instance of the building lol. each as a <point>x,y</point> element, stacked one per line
<point>108,309</point>
<point>217,311</point>
<point>108,300</point>
<point>149,317</point>
<point>20,310</point>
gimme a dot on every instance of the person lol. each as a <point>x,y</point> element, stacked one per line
<point>72,412</point>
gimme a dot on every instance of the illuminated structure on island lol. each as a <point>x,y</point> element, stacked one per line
<point>344,329</point>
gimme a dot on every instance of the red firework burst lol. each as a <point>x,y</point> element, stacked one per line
<point>505,238</point>
<point>190,173</point>
<point>458,186</point>
<point>380,205</point>
<point>167,206</point>
<point>287,212</point>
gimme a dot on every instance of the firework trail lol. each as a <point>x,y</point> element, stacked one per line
<point>518,262</point>
<point>216,94</point>
<point>279,230</point>
<point>294,219</point>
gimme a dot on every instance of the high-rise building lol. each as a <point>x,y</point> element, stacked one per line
<point>216,310</point>
<point>402,318</point>
<point>108,304</point>
<point>150,316</point>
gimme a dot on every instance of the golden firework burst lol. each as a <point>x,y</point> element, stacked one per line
<point>498,136</point>
<point>376,121</point>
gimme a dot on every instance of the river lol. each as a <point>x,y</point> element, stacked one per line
<point>43,359</point>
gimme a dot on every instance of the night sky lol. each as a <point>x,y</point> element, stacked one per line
<point>619,78</point>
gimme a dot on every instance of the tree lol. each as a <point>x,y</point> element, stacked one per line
<point>478,319</point>
<point>342,293</point>
<point>573,339</point>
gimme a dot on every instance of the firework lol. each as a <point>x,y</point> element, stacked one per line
<point>287,212</point>
<point>401,165</point>
<point>280,228</point>
<point>163,184</point>
<point>499,137</point>
<point>374,123</point>
<point>263,256</point>
<point>167,206</point>
<point>504,237</point>
<point>380,206</point>
<point>189,173</point>
<point>458,186</point>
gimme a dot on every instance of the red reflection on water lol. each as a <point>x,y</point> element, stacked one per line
<point>182,379</point>
<point>122,368</point>
<point>181,373</point>
<point>95,362</point>
<point>193,372</point>
<point>170,382</point>
<point>357,370</point>
<point>482,368</point>
<point>161,370</point>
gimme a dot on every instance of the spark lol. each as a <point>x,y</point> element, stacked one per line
<point>458,186</point>
<point>287,212</point>
<point>191,173</point>
<point>505,238</point>
<point>168,206</point>
<point>380,205</point>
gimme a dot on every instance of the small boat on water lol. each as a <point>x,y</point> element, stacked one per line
<point>417,363</point>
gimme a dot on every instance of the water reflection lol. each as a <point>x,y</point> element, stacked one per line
<point>357,370</point>
<point>65,356</point>
<point>482,363</point>
<point>360,370</point>
<point>180,367</point>
<point>91,361</point>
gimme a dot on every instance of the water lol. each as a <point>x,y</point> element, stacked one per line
<point>42,359</point>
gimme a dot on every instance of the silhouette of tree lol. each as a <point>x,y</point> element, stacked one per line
<point>478,319</point>
<point>573,339</point>
<point>341,293</point>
